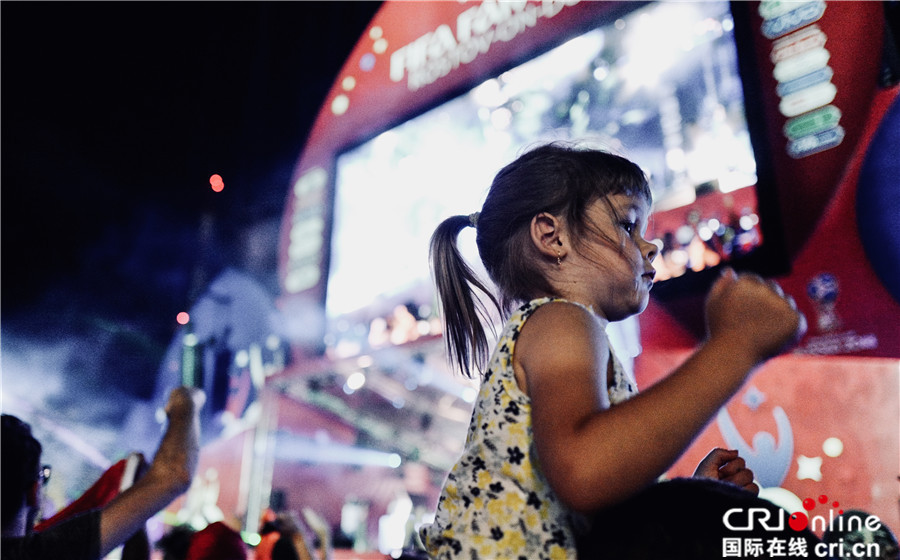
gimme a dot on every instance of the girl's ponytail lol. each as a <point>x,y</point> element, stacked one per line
<point>464,314</point>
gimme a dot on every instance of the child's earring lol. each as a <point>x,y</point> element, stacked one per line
<point>558,258</point>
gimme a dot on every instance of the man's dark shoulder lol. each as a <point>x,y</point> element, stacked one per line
<point>77,538</point>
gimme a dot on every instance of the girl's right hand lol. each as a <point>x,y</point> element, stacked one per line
<point>753,314</point>
<point>728,466</point>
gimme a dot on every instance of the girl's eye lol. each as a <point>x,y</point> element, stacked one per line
<point>629,227</point>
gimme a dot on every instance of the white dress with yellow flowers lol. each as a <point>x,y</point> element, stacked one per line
<point>496,503</point>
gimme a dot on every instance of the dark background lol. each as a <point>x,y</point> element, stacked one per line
<point>114,116</point>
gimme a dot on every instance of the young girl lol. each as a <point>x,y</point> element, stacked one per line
<point>559,431</point>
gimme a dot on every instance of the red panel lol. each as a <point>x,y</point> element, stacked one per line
<point>852,399</point>
<point>863,319</point>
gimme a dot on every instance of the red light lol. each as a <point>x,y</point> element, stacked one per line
<point>183,318</point>
<point>216,182</point>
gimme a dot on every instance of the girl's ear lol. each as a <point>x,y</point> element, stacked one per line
<point>547,234</point>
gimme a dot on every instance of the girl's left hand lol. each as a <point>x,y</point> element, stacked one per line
<point>726,465</point>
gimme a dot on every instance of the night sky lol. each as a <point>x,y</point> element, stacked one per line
<point>114,116</point>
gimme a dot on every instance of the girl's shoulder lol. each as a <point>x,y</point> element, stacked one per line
<point>560,308</point>
<point>553,316</point>
<point>561,336</point>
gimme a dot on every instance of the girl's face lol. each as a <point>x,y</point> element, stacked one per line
<point>613,261</point>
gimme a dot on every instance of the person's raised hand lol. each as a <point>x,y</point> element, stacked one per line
<point>184,402</point>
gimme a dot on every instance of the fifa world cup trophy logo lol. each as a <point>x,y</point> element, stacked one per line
<point>822,290</point>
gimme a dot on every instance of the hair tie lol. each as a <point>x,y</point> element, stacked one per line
<point>473,219</point>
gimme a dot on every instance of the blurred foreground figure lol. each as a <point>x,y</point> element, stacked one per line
<point>217,541</point>
<point>94,533</point>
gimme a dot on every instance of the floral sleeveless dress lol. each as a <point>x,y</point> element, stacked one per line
<point>496,503</point>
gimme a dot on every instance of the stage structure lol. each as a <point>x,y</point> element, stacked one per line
<point>769,132</point>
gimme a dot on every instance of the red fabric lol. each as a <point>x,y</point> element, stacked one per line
<point>97,496</point>
<point>217,541</point>
<point>263,550</point>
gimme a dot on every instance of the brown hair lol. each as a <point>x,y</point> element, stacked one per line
<point>560,179</point>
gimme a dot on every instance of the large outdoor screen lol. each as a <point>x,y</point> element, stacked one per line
<point>659,85</point>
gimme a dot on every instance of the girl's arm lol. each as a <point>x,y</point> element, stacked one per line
<point>594,455</point>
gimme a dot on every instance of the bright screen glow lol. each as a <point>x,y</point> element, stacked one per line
<point>659,86</point>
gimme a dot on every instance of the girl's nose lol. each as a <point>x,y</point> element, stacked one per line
<point>652,248</point>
